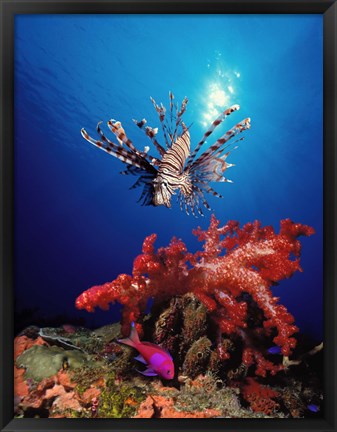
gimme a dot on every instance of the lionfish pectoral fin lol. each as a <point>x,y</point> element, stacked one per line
<point>146,198</point>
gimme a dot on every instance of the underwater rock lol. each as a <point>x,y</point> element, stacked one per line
<point>31,332</point>
<point>108,332</point>
<point>22,343</point>
<point>79,338</point>
<point>100,342</point>
<point>42,361</point>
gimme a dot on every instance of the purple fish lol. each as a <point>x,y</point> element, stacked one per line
<point>158,361</point>
<point>313,408</point>
<point>274,350</point>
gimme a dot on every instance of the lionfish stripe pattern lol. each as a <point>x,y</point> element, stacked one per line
<point>176,171</point>
<point>216,123</point>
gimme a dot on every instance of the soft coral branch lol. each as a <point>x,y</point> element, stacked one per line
<point>233,261</point>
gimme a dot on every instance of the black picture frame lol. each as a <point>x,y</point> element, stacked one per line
<point>8,9</point>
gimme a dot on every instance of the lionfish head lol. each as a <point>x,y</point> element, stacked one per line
<point>162,194</point>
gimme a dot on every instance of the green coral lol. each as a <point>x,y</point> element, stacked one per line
<point>87,374</point>
<point>82,339</point>
<point>42,362</point>
<point>119,401</point>
<point>108,332</point>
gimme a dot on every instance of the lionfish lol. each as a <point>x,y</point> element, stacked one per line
<point>177,171</point>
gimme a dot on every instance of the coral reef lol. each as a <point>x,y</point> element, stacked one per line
<point>108,386</point>
<point>198,398</point>
<point>84,388</point>
<point>44,397</point>
<point>254,259</point>
<point>236,350</point>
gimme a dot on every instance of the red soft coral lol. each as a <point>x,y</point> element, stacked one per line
<point>255,258</point>
<point>260,397</point>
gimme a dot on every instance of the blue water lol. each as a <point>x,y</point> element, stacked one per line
<point>76,222</point>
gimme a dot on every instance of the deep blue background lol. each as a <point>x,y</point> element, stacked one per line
<point>76,222</point>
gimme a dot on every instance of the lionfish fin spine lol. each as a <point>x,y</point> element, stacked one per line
<point>238,128</point>
<point>215,123</point>
<point>161,111</point>
<point>150,132</point>
<point>114,150</point>
<point>117,129</point>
